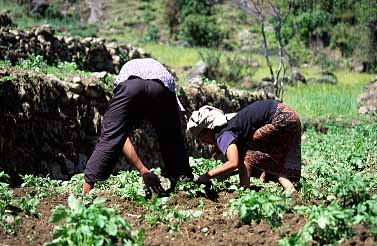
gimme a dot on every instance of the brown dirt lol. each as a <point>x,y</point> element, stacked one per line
<point>212,228</point>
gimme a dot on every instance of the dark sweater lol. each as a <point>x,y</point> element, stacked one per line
<point>240,128</point>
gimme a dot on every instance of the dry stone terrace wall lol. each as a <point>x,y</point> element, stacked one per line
<point>50,126</point>
<point>91,54</point>
<point>368,99</point>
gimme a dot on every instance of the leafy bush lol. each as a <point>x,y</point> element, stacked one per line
<point>152,33</point>
<point>212,59</point>
<point>232,69</point>
<point>254,206</point>
<point>298,53</point>
<point>92,225</point>
<point>237,68</point>
<point>199,30</point>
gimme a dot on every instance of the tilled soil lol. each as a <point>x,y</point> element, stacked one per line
<point>212,228</point>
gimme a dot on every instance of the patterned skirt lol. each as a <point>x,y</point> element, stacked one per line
<point>276,147</point>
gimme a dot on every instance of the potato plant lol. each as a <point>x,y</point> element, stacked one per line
<point>10,208</point>
<point>7,220</point>
<point>325,224</point>
<point>159,212</point>
<point>254,206</point>
<point>92,225</point>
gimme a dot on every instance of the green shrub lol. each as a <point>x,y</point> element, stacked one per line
<point>152,33</point>
<point>345,38</point>
<point>212,59</point>
<point>232,69</point>
<point>199,30</point>
<point>237,68</point>
<point>298,52</point>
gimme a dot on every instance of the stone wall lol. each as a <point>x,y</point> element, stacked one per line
<point>90,54</point>
<point>368,99</point>
<point>50,126</point>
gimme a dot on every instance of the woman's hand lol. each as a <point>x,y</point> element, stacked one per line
<point>204,179</point>
<point>152,181</point>
<point>86,188</point>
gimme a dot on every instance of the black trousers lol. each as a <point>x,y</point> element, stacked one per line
<point>137,99</point>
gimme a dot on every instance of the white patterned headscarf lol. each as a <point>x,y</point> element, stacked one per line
<point>207,117</point>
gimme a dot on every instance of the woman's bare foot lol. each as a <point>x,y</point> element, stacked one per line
<point>262,177</point>
<point>286,183</point>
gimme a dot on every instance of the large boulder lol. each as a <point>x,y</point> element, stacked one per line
<point>50,125</point>
<point>198,71</point>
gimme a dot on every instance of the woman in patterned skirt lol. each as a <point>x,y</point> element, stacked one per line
<point>264,136</point>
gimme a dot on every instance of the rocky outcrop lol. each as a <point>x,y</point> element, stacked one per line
<point>90,54</point>
<point>368,99</point>
<point>50,126</point>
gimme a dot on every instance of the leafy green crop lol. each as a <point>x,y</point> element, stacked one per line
<point>10,208</point>
<point>202,165</point>
<point>7,220</point>
<point>324,225</point>
<point>29,205</point>
<point>92,225</point>
<point>39,182</point>
<point>350,189</point>
<point>255,206</point>
<point>367,213</point>
<point>159,211</point>
<point>191,189</point>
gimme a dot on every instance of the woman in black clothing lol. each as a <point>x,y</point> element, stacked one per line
<point>265,135</point>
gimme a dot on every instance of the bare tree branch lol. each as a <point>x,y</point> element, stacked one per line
<point>261,9</point>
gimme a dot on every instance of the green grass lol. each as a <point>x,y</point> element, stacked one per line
<point>310,101</point>
<point>23,20</point>
<point>174,56</point>
<point>340,100</point>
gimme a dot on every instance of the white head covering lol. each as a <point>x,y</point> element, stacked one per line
<point>207,117</point>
